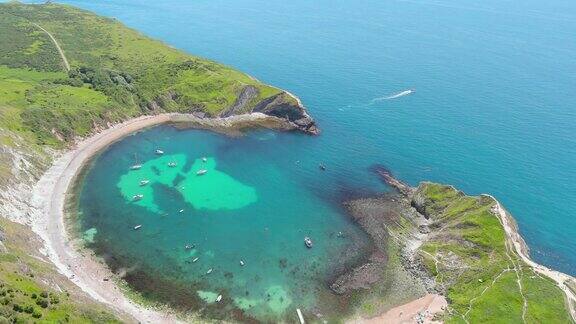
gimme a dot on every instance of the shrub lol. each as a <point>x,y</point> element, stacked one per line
<point>54,299</point>
<point>42,303</point>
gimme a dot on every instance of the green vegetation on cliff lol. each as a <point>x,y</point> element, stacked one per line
<point>468,255</point>
<point>115,73</point>
<point>30,289</point>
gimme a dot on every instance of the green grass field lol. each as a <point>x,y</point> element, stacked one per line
<point>116,73</point>
<point>467,254</point>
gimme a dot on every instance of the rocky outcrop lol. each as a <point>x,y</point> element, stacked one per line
<point>386,175</point>
<point>289,108</point>
<point>284,107</point>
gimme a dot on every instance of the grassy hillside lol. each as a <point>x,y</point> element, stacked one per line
<point>484,279</point>
<point>30,289</point>
<point>115,73</point>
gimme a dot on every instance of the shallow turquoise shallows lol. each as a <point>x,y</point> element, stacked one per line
<point>494,111</point>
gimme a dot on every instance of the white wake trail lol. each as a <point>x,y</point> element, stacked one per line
<point>394,96</point>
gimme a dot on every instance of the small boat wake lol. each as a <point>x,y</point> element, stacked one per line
<point>379,99</point>
<point>394,96</point>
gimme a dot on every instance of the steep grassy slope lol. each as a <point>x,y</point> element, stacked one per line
<point>30,289</point>
<point>484,279</point>
<point>115,73</point>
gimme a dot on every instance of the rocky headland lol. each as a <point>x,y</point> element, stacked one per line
<point>434,240</point>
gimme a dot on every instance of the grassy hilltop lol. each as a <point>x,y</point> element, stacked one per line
<point>484,280</point>
<point>115,73</point>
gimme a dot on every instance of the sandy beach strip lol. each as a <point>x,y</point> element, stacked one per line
<point>421,310</point>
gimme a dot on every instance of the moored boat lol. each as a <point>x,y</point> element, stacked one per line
<point>201,172</point>
<point>308,242</point>
<point>137,227</point>
<point>172,164</point>
<point>209,271</point>
<point>159,152</point>
<point>144,182</point>
<point>137,165</point>
<point>137,197</point>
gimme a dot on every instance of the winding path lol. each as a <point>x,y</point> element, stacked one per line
<point>66,64</point>
<point>517,242</point>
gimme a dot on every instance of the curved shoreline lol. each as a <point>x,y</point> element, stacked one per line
<point>49,197</point>
<point>48,202</point>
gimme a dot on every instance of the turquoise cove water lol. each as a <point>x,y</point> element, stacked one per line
<point>494,111</point>
<point>216,215</point>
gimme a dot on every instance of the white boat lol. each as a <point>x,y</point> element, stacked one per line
<point>194,260</point>
<point>201,172</point>
<point>159,152</point>
<point>137,227</point>
<point>136,167</point>
<point>209,271</point>
<point>137,197</point>
<point>219,298</point>
<point>204,159</point>
<point>172,164</point>
<point>144,182</point>
<point>181,211</point>
<point>308,242</point>
<point>241,263</point>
